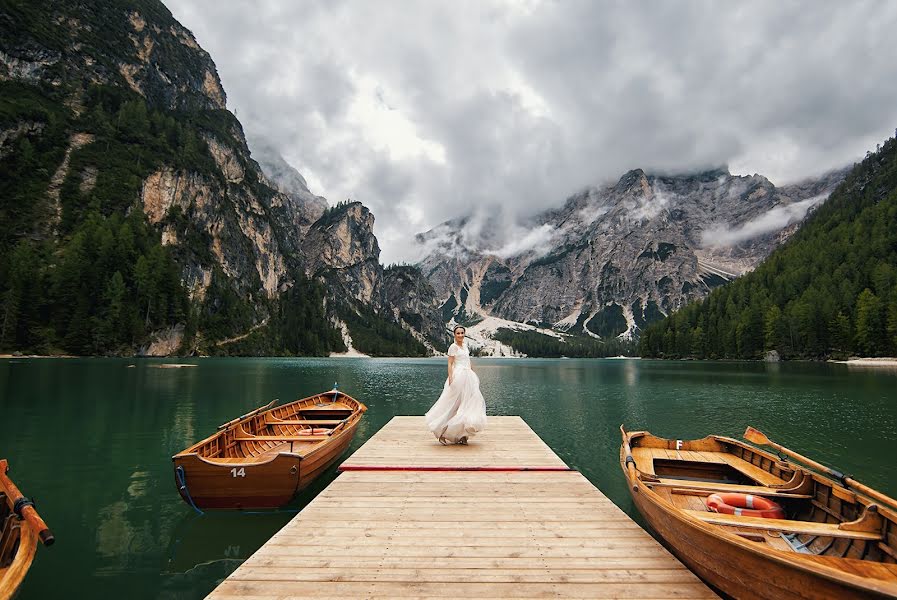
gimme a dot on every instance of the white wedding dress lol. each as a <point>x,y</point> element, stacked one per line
<point>460,411</point>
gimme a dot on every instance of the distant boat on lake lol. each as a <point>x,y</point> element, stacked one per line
<point>263,458</point>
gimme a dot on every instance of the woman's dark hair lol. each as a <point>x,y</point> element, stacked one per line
<point>457,327</point>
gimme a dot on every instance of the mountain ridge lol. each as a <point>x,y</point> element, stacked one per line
<point>613,258</point>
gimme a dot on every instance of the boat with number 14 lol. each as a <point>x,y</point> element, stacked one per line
<point>263,458</point>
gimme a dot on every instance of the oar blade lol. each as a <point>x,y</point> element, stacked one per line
<point>756,436</point>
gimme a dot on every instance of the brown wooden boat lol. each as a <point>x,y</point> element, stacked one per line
<point>262,459</point>
<point>838,538</point>
<point>20,529</point>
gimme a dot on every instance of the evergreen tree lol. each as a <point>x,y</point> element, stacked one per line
<point>870,339</point>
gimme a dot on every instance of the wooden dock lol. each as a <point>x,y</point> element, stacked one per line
<point>503,517</point>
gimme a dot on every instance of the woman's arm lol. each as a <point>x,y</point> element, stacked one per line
<point>451,367</point>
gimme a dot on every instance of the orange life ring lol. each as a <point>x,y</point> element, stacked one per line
<point>745,505</point>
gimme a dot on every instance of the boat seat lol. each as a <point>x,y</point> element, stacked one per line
<point>281,438</point>
<point>326,407</point>
<point>803,527</point>
<point>708,487</point>
<point>304,422</point>
<point>645,456</point>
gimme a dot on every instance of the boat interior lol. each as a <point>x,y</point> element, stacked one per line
<point>8,537</point>
<point>824,521</point>
<point>297,427</point>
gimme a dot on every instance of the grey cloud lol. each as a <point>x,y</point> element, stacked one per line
<point>530,102</point>
<point>775,219</point>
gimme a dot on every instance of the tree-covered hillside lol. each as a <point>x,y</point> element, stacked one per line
<point>94,98</point>
<point>830,291</point>
<point>88,274</point>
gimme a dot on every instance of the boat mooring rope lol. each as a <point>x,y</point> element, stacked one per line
<point>182,485</point>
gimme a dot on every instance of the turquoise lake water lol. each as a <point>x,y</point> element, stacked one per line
<point>91,440</point>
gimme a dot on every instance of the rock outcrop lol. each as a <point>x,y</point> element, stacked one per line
<point>297,200</point>
<point>414,303</point>
<point>341,247</point>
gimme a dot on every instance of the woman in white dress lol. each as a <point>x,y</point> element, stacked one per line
<point>460,411</point>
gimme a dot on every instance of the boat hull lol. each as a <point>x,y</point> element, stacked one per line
<point>235,484</point>
<point>12,575</point>
<point>18,539</point>
<point>733,566</point>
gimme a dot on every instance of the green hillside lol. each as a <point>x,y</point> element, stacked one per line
<point>830,291</point>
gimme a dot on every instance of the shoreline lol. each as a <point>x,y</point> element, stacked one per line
<point>873,362</point>
<point>13,356</point>
<point>868,362</point>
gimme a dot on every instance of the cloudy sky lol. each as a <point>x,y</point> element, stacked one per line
<point>430,110</point>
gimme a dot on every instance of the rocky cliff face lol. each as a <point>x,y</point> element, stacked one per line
<point>341,247</point>
<point>414,303</point>
<point>298,201</point>
<point>616,257</point>
<point>243,236</point>
<point>145,49</point>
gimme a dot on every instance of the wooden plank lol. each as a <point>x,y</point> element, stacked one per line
<point>304,422</point>
<point>462,562</point>
<point>751,470</point>
<point>433,575</point>
<point>471,534</point>
<point>252,590</point>
<point>803,527</point>
<point>283,438</point>
<point>711,487</point>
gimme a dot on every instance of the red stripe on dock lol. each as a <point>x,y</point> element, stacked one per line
<point>446,468</point>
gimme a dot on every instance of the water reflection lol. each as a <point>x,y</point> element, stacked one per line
<point>201,540</point>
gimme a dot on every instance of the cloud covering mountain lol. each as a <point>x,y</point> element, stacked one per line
<point>429,110</point>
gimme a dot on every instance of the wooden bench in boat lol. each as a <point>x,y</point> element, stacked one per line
<point>644,458</point>
<point>242,460</point>
<point>325,407</point>
<point>305,422</point>
<point>281,438</point>
<point>704,488</point>
<point>802,527</point>
<point>241,435</point>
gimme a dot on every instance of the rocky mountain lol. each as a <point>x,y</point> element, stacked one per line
<point>305,206</point>
<point>135,216</point>
<point>414,303</point>
<point>615,257</point>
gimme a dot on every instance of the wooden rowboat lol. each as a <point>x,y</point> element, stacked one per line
<point>262,459</point>
<point>838,538</point>
<point>20,528</point>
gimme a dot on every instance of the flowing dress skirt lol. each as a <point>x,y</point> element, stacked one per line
<point>460,411</point>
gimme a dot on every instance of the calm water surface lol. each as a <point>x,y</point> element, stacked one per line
<point>92,440</point>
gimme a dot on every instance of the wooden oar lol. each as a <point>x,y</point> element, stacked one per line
<point>249,414</point>
<point>27,511</point>
<point>758,437</point>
